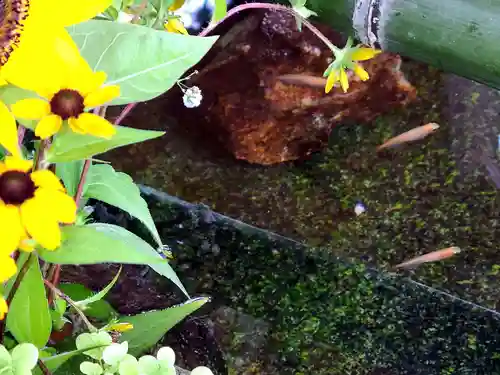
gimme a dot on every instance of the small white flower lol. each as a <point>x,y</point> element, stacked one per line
<point>359,209</point>
<point>192,97</point>
<point>202,370</point>
<point>115,353</point>
<point>166,354</point>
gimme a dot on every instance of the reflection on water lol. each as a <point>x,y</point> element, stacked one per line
<point>327,304</point>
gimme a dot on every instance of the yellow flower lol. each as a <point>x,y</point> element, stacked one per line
<point>29,29</point>
<point>3,308</point>
<point>176,5</point>
<point>348,59</point>
<point>175,25</point>
<point>8,267</point>
<point>67,96</point>
<point>8,131</point>
<point>31,204</point>
<point>121,327</point>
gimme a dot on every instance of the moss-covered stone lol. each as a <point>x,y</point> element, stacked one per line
<point>326,316</point>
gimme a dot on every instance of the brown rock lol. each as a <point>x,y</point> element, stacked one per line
<point>263,120</point>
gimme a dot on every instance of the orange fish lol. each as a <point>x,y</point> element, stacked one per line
<point>303,80</point>
<point>417,133</point>
<point>431,257</point>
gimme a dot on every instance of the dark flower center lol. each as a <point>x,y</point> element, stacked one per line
<point>13,13</point>
<point>67,103</point>
<point>16,187</point>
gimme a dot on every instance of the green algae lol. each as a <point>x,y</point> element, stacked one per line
<point>326,316</point>
<point>416,197</point>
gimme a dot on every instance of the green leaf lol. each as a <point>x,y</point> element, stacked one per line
<point>69,146</point>
<point>89,340</point>
<point>56,361</point>
<point>161,267</point>
<point>151,326</point>
<point>29,317</point>
<point>100,309</point>
<point>10,94</point>
<point>119,190</point>
<point>83,304</point>
<point>70,173</point>
<point>90,244</point>
<point>143,61</point>
<point>220,10</point>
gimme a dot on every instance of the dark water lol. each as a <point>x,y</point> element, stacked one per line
<point>300,284</point>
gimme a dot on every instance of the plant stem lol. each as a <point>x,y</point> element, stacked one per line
<point>53,274</point>
<point>124,113</point>
<point>12,292</point>
<point>277,7</point>
<point>72,303</point>
<point>21,131</point>
<point>44,368</point>
<point>40,154</point>
<point>81,183</point>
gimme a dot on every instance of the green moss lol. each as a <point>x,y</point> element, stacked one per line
<point>329,317</point>
<point>326,316</point>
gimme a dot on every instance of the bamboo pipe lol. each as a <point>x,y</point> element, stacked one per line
<point>457,36</point>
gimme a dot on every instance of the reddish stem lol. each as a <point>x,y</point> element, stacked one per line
<point>124,113</point>
<point>81,183</point>
<point>21,131</point>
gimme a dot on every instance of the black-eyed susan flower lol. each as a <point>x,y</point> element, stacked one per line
<point>67,96</point>
<point>32,204</point>
<point>29,29</point>
<point>347,58</point>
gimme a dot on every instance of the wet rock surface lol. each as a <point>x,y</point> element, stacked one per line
<point>262,120</point>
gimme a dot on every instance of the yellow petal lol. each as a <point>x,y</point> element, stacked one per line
<point>8,131</point>
<point>50,73</point>
<point>101,96</point>
<point>31,109</point>
<point>71,12</point>
<point>360,72</point>
<point>174,25</point>
<point>18,164</point>
<point>363,53</point>
<point>86,82</point>
<point>27,245</point>
<point>62,206</point>
<point>176,5</point>
<point>47,180</point>
<point>344,83</point>
<point>94,125</point>
<point>7,268</point>
<point>41,224</point>
<point>3,308</point>
<point>10,229</point>
<point>330,81</point>
<point>75,125</point>
<point>48,126</point>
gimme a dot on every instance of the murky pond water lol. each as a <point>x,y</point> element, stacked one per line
<point>322,298</point>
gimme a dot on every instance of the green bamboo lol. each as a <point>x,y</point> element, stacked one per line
<point>457,36</point>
